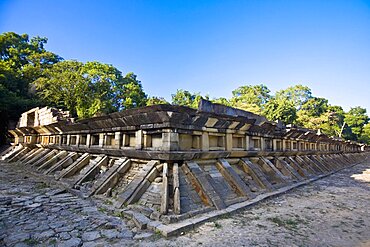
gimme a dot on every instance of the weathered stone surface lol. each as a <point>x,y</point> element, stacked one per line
<point>90,236</point>
<point>234,179</point>
<point>73,242</point>
<point>204,185</point>
<point>257,174</point>
<point>175,160</point>
<point>143,235</point>
<point>136,184</point>
<point>140,221</point>
<point>110,233</point>
<point>165,192</point>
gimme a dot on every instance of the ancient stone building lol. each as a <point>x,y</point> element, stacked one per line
<point>169,167</point>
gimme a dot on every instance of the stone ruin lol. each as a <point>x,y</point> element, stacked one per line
<point>170,168</point>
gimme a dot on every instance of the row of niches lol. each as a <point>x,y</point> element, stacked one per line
<point>109,140</point>
<point>219,141</point>
<point>204,141</point>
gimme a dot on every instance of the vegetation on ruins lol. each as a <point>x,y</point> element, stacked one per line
<point>89,89</point>
<point>31,76</point>
<point>295,105</point>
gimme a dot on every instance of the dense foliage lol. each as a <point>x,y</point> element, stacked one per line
<point>32,76</point>
<point>294,105</point>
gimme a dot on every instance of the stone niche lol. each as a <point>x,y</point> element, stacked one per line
<point>313,146</point>
<point>73,140</point>
<point>83,140</point>
<point>153,141</point>
<point>288,145</point>
<point>94,140</point>
<point>216,141</point>
<point>109,140</point>
<point>45,140</point>
<point>255,143</point>
<point>268,144</point>
<point>239,142</point>
<point>57,140</point>
<point>294,145</point>
<point>64,139</point>
<point>189,142</point>
<point>52,140</point>
<point>307,146</point>
<point>278,145</point>
<point>128,140</point>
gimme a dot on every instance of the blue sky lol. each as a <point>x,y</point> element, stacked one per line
<point>212,47</point>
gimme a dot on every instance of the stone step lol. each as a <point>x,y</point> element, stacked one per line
<point>202,185</point>
<point>38,156</point>
<point>60,155</point>
<point>45,158</point>
<point>63,163</point>
<point>233,179</point>
<point>137,185</point>
<point>110,177</point>
<point>72,169</point>
<point>92,169</point>
<point>257,174</point>
<point>19,154</point>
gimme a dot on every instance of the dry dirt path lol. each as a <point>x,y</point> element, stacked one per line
<point>334,211</point>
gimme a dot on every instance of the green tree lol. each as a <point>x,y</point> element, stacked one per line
<point>89,89</point>
<point>99,82</point>
<point>333,120</point>
<point>311,115</point>
<point>356,118</point>
<point>297,94</point>
<point>21,62</point>
<point>185,98</point>
<point>222,101</point>
<point>129,93</point>
<point>156,101</point>
<point>365,136</point>
<point>280,109</point>
<point>250,98</point>
<point>64,86</point>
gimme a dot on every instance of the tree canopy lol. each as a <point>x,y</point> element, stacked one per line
<point>89,89</point>
<point>297,95</point>
<point>251,98</point>
<point>32,76</point>
<point>356,119</point>
<point>186,98</point>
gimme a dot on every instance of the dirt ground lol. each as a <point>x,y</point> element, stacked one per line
<point>333,211</point>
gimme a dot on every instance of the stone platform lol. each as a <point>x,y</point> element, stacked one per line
<point>170,168</point>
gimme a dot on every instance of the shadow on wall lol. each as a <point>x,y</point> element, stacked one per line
<point>5,125</point>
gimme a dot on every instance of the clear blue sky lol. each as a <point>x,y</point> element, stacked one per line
<point>212,47</point>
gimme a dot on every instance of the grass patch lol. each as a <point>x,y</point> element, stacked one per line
<point>261,226</point>
<point>53,242</point>
<point>102,210</point>
<point>291,224</point>
<point>108,202</point>
<point>31,241</point>
<point>118,214</point>
<point>255,218</point>
<point>218,225</point>
<point>41,185</point>
<point>157,235</point>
